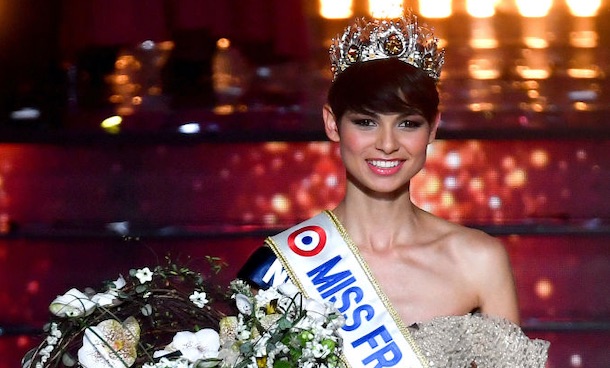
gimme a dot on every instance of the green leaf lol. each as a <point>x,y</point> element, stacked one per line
<point>147,310</point>
<point>284,323</point>
<point>207,363</point>
<point>281,364</point>
<point>330,344</point>
<point>68,360</point>
<point>27,359</point>
<point>246,348</point>
<point>141,289</point>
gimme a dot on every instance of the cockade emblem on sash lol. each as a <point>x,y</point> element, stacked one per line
<point>307,241</point>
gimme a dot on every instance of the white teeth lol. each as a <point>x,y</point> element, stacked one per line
<point>384,164</point>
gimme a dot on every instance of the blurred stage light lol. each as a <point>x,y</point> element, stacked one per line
<point>435,8</point>
<point>112,124</point>
<point>336,9</point>
<point>584,8</point>
<point>534,9</point>
<point>481,8</point>
<point>26,113</point>
<point>483,34</point>
<point>386,8</point>
<point>190,128</point>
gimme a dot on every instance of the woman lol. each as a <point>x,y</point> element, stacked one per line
<point>384,262</point>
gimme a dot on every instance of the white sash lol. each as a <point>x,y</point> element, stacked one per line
<point>325,264</point>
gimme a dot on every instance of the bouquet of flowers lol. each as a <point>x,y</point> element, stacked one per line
<point>151,318</point>
<point>164,318</point>
<point>279,328</point>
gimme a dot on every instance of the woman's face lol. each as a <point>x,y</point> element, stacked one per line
<point>381,152</point>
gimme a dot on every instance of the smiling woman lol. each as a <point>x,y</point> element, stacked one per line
<point>436,293</point>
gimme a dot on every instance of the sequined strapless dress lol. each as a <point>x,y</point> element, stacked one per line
<point>479,341</point>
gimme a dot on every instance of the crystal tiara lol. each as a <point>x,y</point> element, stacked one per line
<point>376,39</point>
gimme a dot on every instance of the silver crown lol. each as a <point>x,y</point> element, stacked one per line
<point>376,39</point>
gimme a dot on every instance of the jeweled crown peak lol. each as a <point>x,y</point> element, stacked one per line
<point>376,39</point>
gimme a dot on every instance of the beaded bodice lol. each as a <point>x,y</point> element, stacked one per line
<point>479,341</point>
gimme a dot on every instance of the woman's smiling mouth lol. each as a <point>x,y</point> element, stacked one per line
<point>385,167</point>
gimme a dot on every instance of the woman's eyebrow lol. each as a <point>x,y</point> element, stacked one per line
<point>366,114</point>
<point>410,112</point>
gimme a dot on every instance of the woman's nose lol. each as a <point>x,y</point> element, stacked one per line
<point>386,140</point>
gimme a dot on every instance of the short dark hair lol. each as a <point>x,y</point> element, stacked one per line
<point>384,86</point>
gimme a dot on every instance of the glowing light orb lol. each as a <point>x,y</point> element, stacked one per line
<point>539,158</point>
<point>544,288</point>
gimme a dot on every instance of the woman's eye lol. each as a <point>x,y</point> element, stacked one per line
<point>410,124</point>
<point>364,122</point>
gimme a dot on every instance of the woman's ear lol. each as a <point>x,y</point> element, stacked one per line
<point>434,128</point>
<point>330,124</point>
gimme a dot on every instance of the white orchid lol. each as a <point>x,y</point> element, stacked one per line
<point>110,344</point>
<point>203,344</point>
<point>105,299</point>
<point>111,296</point>
<point>74,303</point>
<point>119,283</point>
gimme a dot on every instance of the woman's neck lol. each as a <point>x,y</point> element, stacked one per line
<point>376,221</point>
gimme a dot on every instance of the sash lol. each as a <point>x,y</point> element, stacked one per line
<point>324,263</point>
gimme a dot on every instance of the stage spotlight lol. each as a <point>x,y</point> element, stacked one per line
<point>336,9</point>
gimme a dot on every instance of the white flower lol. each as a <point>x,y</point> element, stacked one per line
<point>288,289</point>
<point>260,348</point>
<point>144,275</point>
<point>110,297</point>
<point>229,356</point>
<point>315,307</point>
<point>73,303</point>
<point>290,305</point>
<point>203,344</point>
<point>243,304</point>
<point>320,351</point>
<point>110,344</point>
<point>243,334</point>
<point>265,297</point>
<point>228,329</point>
<point>46,351</point>
<point>166,363</point>
<point>55,331</point>
<point>199,298</point>
<point>240,286</point>
<point>119,283</point>
<point>336,322</point>
<point>105,299</point>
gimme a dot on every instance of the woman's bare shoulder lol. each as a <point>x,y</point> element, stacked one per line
<point>482,257</point>
<point>483,263</point>
<point>469,242</point>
